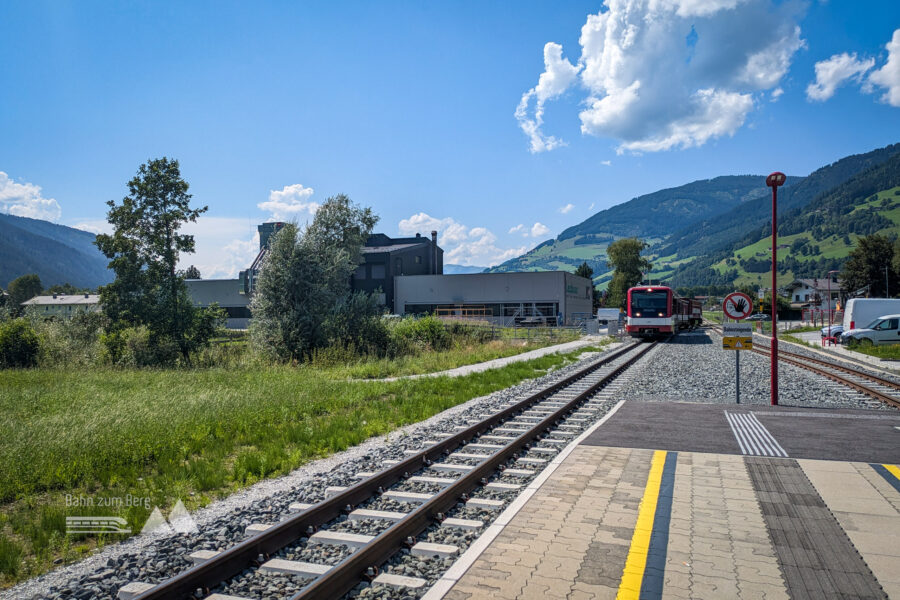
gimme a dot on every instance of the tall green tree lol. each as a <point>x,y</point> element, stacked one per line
<point>625,257</point>
<point>585,270</point>
<point>303,292</point>
<point>144,249</point>
<point>23,288</point>
<point>871,264</point>
<point>192,272</point>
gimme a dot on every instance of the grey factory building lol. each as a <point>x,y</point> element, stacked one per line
<point>386,258</point>
<point>408,275</point>
<point>504,298</point>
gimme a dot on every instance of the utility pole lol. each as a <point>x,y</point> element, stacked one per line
<point>773,181</point>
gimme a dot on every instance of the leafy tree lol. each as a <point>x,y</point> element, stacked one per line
<point>23,288</point>
<point>144,251</point>
<point>625,257</point>
<point>585,270</point>
<point>192,273</point>
<point>302,296</point>
<point>867,264</point>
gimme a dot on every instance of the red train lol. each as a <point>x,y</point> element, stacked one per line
<point>657,311</point>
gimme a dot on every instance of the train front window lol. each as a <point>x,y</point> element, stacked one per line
<point>649,303</point>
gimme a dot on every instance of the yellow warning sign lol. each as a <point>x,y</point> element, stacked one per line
<point>737,343</point>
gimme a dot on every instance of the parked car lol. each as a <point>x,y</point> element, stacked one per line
<point>759,317</point>
<point>883,330</point>
<point>836,331</point>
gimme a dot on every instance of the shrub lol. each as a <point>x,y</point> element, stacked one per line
<point>69,342</point>
<point>136,347</point>
<point>19,344</point>
<point>425,333</point>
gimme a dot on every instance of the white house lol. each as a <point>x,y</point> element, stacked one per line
<point>64,305</point>
<point>813,293</point>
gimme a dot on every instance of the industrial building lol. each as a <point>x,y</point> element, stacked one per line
<point>227,293</point>
<point>386,258</point>
<point>503,298</point>
<point>407,275</point>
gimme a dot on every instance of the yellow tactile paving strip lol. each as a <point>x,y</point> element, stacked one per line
<point>571,540</point>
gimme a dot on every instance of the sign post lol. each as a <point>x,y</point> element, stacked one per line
<point>737,336</point>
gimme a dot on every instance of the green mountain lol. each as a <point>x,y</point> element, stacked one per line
<point>713,232</point>
<point>651,217</point>
<point>817,237</point>
<point>58,254</point>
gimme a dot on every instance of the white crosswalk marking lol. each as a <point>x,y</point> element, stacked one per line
<point>752,436</point>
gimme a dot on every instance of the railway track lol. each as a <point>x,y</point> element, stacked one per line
<point>509,443</point>
<point>882,389</point>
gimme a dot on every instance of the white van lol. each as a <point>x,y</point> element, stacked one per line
<point>860,312</point>
<point>605,315</point>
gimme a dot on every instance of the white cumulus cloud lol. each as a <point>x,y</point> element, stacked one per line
<point>662,74</point>
<point>462,245</point>
<point>888,76</point>
<point>539,229</point>
<point>558,75</point>
<point>565,209</point>
<point>290,202</point>
<point>25,200</point>
<point>223,246</point>
<point>831,73</point>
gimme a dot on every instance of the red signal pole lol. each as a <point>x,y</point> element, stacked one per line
<point>774,180</point>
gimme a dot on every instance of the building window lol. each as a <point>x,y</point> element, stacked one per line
<point>418,260</point>
<point>377,271</point>
<point>360,272</point>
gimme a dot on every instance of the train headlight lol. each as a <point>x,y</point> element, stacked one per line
<point>660,314</point>
<point>637,314</point>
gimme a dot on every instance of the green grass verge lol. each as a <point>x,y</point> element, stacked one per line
<point>160,435</point>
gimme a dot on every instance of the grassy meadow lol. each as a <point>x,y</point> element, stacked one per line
<point>199,434</point>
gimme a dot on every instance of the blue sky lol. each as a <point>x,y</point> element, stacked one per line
<point>438,115</point>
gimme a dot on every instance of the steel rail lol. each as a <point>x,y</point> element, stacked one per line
<point>889,400</point>
<point>346,575</point>
<point>247,553</point>
<point>798,360</point>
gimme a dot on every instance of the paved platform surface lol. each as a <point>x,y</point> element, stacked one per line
<point>829,434</point>
<point>695,517</point>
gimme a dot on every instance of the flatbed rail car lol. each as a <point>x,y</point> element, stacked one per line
<point>656,311</point>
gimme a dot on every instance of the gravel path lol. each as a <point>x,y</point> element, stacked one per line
<point>502,362</point>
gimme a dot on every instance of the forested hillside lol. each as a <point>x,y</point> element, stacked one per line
<point>58,254</point>
<point>650,217</point>
<point>814,238</point>
<point>712,232</point>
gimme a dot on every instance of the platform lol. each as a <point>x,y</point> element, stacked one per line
<point>684,500</point>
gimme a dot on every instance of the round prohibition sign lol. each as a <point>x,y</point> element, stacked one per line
<point>737,306</point>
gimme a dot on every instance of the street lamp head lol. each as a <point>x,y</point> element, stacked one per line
<point>775,179</point>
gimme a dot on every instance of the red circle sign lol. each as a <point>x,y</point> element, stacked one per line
<point>737,306</point>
